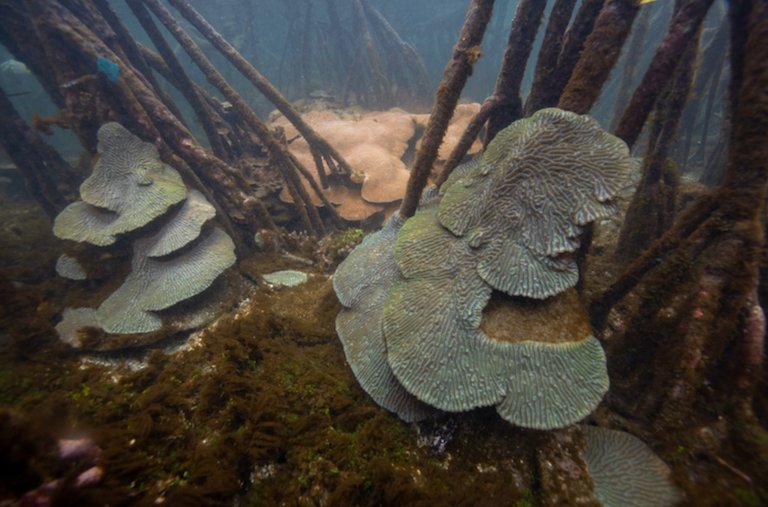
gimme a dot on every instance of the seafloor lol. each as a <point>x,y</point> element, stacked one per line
<point>259,409</point>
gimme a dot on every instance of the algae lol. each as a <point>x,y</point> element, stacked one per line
<point>264,411</point>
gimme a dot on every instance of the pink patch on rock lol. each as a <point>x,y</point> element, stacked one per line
<point>78,448</point>
<point>90,477</point>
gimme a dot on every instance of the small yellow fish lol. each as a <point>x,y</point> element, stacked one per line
<point>641,2</point>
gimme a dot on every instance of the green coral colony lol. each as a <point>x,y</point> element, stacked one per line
<point>469,303</point>
<point>418,302</point>
<point>131,188</point>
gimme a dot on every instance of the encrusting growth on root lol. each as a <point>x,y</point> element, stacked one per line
<point>455,76</point>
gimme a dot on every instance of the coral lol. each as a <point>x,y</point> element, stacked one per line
<point>363,288</point>
<point>517,204</point>
<point>552,385</point>
<point>625,470</point>
<point>507,222</point>
<point>69,267</point>
<point>462,115</point>
<point>155,285</point>
<point>173,260</point>
<point>185,226</point>
<point>73,320</point>
<point>431,320</point>
<point>130,186</point>
<point>286,278</point>
<point>374,144</point>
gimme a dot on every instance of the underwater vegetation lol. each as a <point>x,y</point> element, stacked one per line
<point>348,301</point>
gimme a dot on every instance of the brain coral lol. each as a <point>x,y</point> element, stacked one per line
<point>540,180</point>
<point>172,261</point>
<point>508,222</point>
<point>130,186</point>
<point>626,471</point>
<point>363,287</point>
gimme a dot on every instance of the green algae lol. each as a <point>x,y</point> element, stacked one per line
<point>527,500</point>
<point>344,239</point>
<point>259,411</point>
<point>747,497</point>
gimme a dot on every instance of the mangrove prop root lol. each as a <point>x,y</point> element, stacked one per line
<point>601,50</point>
<point>522,33</point>
<point>710,65</point>
<point>318,145</point>
<point>233,144</point>
<point>506,92</point>
<point>652,207</point>
<point>276,152</point>
<point>84,107</point>
<point>710,81</point>
<point>713,253</point>
<point>340,55</point>
<point>412,71</point>
<point>747,174</point>
<point>37,162</point>
<point>455,76</point>
<point>687,325</point>
<point>133,53</point>
<point>136,105</point>
<point>238,144</point>
<point>634,52</point>
<point>747,169</point>
<point>748,366</point>
<point>683,227</point>
<point>572,45</point>
<point>365,77</point>
<point>682,383</point>
<point>102,21</point>
<point>379,80</point>
<point>685,23</point>
<point>19,36</point>
<point>308,177</point>
<point>183,82</point>
<point>312,212</point>
<point>713,173</point>
<point>542,93</point>
<point>292,185</point>
<point>467,138</point>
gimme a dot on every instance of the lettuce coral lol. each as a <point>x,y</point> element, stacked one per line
<point>626,471</point>
<point>508,222</point>
<point>130,186</point>
<point>175,259</point>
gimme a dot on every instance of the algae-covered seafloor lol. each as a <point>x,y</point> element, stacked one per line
<point>259,409</point>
